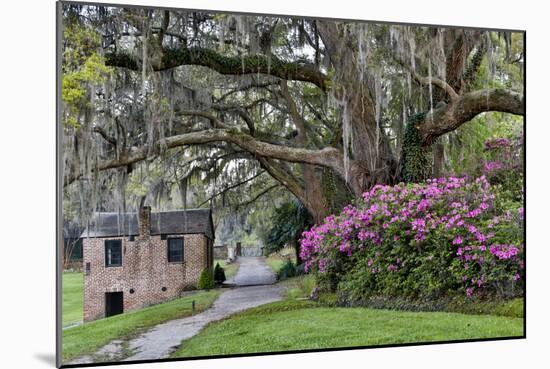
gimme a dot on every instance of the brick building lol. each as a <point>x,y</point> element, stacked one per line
<point>134,260</point>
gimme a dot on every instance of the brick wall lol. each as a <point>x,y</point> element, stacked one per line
<point>145,269</point>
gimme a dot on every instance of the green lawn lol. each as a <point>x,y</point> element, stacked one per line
<point>229,269</point>
<point>89,337</point>
<point>73,284</point>
<point>299,325</point>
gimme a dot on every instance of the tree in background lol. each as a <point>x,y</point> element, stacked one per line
<point>186,107</point>
<point>287,223</point>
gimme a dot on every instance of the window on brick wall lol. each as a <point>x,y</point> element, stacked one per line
<point>113,253</point>
<point>175,250</point>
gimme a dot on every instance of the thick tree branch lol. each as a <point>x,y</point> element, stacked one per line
<point>436,82</point>
<point>232,65</point>
<point>466,107</point>
<point>327,157</point>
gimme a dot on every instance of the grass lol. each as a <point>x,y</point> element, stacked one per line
<point>275,262</point>
<point>277,259</point>
<point>512,308</point>
<point>298,287</point>
<point>229,269</point>
<point>73,284</point>
<point>301,324</point>
<point>89,337</point>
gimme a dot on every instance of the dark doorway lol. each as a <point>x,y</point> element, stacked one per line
<point>113,303</point>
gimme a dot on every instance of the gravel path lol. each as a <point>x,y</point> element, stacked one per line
<point>255,287</point>
<point>253,271</point>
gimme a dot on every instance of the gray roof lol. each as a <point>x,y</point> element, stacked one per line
<point>167,222</point>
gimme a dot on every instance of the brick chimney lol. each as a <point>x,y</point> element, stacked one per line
<point>144,221</point>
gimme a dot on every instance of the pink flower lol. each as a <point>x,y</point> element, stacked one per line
<point>480,237</point>
<point>457,240</point>
<point>492,166</point>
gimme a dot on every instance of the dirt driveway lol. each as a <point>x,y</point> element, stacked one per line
<point>253,271</point>
<point>255,286</point>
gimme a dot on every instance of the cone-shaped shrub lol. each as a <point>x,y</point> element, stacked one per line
<point>219,274</point>
<point>206,281</point>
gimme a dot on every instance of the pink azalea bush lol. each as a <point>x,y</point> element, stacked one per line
<point>420,240</point>
<point>503,163</point>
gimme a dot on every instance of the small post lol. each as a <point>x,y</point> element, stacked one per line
<point>193,307</point>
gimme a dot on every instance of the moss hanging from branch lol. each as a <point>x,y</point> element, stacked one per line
<point>234,65</point>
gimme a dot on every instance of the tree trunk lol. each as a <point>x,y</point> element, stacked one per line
<point>316,203</point>
<point>439,159</point>
<point>416,161</point>
<point>373,161</point>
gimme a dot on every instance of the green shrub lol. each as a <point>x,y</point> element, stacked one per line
<point>454,304</point>
<point>328,299</point>
<point>206,281</point>
<point>219,274</point>
<point>289,270</point>
<point>300,286</point>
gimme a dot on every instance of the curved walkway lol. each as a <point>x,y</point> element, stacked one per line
<point>255,287</point>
